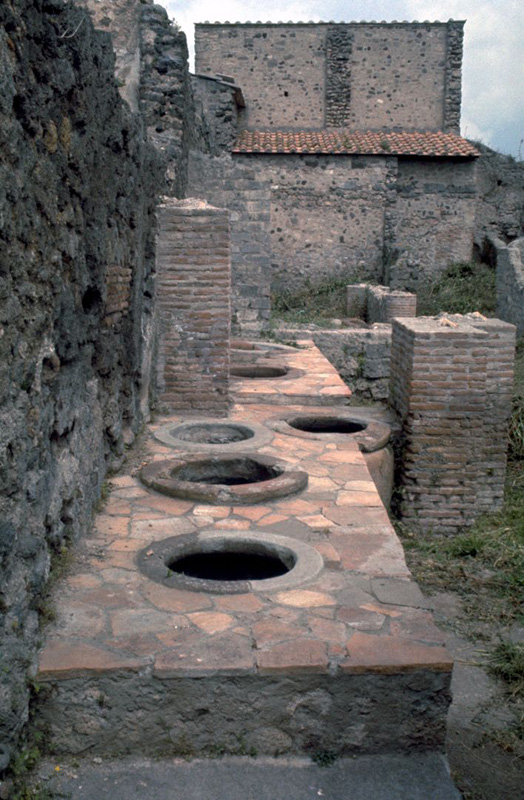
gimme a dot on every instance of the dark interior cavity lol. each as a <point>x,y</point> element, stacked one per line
<point>257,371</point>
<point>229,566</point>
<point>228,472</point>
<point>327,425</point>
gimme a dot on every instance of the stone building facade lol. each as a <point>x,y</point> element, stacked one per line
<point>354,129</point>
<point>358,76</point>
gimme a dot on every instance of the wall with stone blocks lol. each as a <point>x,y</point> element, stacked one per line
<point>451,383</point>
<point>77,194</point>
<point>361,357</point>
<point>395,221</point>
<point>218,107</point>
<point>326,216</point>
<point>500,197</point>
<point>362,76</point>
<point>510,282</point>
<point>193,308</point>
<point>430,225</point>
<point>240,188</point>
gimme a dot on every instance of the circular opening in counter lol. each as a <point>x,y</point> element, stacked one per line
<point>211,433</point>
<point>216,434</point>
<point>234,563</point>
<point>325,424</point>
<point>220,479</point>
<point>228,471</point>
<point>229,562</point>
<point>254,371</point>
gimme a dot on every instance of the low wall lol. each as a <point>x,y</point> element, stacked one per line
<point>361,357</point>
<point>379,303</point>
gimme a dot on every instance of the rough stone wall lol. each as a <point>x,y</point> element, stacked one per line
<point>241,188</point>
<point>453,85</point>
<point>339,51</point>
<point>510,283</point>
<point>327,216</point>
<point>166,99</point>
<point>219,105</point>
<point>430,225</point>
<point>194,308</point>
<point>500,199</point>
<point>121,18</point>
<point>451,385</point>
<point>370,218</point>
<point>279,67</point>
<point>153,77</point>
<point>77,188</point>
<point>361,357</point>
<point>396,75</point>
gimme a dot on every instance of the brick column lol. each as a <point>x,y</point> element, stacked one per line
<point>193,307</point>
<point>451,382</point>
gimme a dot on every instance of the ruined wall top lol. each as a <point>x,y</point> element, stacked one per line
<point>357,75</point>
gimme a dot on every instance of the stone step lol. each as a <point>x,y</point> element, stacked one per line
<point>380,777</point>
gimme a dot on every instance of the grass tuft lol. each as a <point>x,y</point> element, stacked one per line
<point>506,662</point>
<point>461,288</point>
<point>315,303</point>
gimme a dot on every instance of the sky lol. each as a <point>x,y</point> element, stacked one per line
<point>493,67</point>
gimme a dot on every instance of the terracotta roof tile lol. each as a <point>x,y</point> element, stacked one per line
<point>355,142</point>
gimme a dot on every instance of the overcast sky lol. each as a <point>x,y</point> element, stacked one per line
<point>493,70</point>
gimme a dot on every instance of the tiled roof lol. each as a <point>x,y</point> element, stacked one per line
<point>355,142</point>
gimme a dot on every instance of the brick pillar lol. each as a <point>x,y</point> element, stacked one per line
<point>193,307</point>
<point>445,379</point>
<point>500,347</point>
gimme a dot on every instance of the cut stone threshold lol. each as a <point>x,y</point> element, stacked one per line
<point>347,661</point>
<point>417,776</point>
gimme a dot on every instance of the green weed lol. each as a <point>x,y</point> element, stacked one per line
<point>507,663</point>
<point>314,303</point>
<point>462,288</point>
<point>324,758</point>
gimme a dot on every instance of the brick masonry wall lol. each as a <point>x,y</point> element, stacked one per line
<point>510,283</point>
<point>384,304</point>
<point>403,75</point>
<point>451,386</point>
<point>240,187</point>
<point>194,308</point>
<point>430,225</point>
